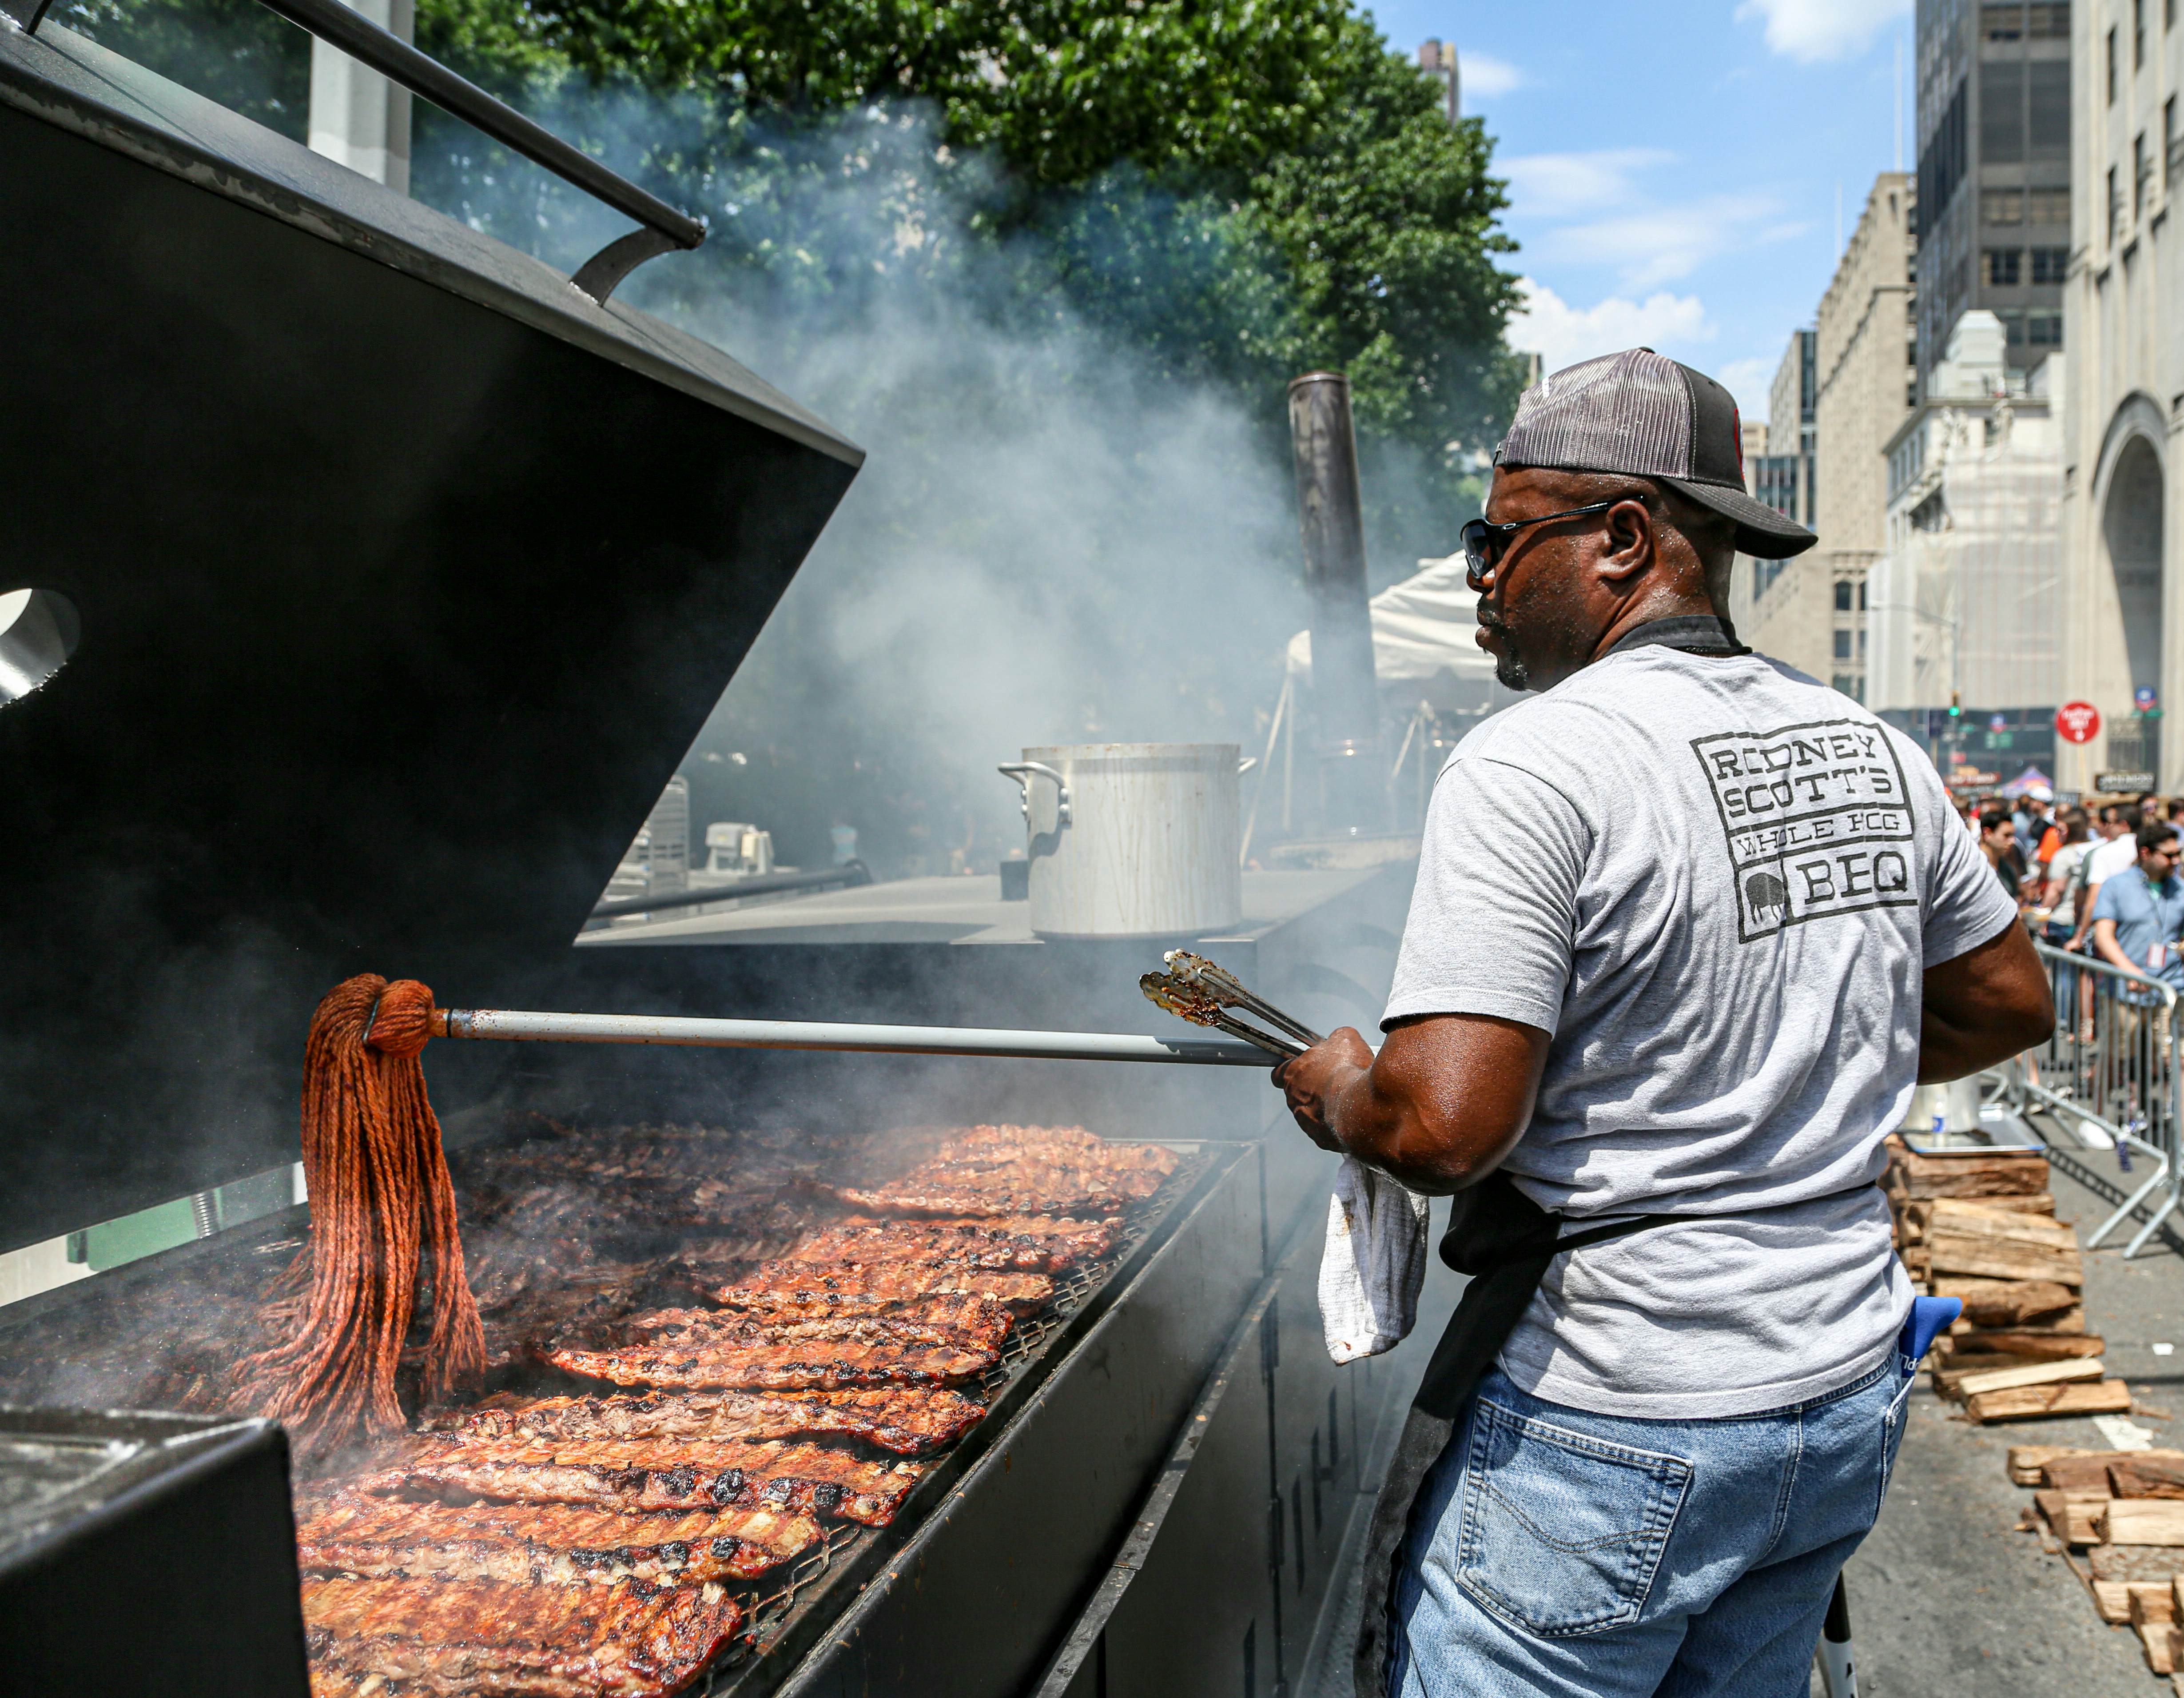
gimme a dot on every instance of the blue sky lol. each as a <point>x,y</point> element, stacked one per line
<point>1673,168</point>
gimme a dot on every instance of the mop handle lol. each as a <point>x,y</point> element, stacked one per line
<point>815,1035</point>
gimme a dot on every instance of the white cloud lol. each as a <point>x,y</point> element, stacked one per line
<point>1811,30</point>
<point>1749,380</point>
<point>1485,75</point>
<point>1650,246</point>
<point>1562,334</point>
<point>1556,185</point>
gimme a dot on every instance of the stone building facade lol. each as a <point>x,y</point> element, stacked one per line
<point>2125,398</point>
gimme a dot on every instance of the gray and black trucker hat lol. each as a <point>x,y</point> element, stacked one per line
<point>1641,413</point>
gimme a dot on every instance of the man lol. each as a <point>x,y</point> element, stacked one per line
<point>1687,927</point>
<point>2118,849</point>
<point>1998,842</point>
<point>2140,912</point>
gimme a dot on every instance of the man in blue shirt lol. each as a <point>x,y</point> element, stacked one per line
<point>2140,912</point>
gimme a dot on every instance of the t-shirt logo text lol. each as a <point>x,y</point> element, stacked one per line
<point>1818,821</point>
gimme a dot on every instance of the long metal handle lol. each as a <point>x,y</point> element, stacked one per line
<point>422,75</point>
<point>878,1040</point>
<point>757,885</point>
<point>1016,769</point>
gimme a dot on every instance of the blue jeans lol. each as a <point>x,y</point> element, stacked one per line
<point>1555,1551</point>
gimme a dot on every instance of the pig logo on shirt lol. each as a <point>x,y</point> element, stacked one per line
<point>1817,818</point>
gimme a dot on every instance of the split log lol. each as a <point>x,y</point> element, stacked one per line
<point>1971,1384</point>
<point>2011,1303</point>
<point>2025,1462</point>
<point>2158,1640</point>
<point>2026,1402</point>
<point>1950,1374</point>
<point>2073,1516</point>
<point>1915,1176</point>
<point>2145,1476</point>
<point>1966,1348</point>
<point>2087,1470</point>
<point>1920,1215</point>
<point>2140,1521</point>
<point>2113,1600</point>
<point>2001,1256</point>
<point>2152,1604</point>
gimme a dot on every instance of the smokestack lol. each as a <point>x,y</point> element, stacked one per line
<point>1345,699</point>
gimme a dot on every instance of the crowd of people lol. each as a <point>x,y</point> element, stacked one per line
<point>2099,881</point>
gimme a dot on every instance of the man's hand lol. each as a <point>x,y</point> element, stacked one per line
<point>1309,1081</point>
<point>1444,1100</point>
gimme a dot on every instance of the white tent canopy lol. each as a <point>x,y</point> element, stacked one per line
<point>1424,633</point>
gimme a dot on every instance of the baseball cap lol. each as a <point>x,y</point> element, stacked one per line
<point>1641,413</point>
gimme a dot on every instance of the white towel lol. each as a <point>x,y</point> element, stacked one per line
<point>1374,1263</point>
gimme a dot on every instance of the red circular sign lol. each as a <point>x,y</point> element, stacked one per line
<point>2077,722</point>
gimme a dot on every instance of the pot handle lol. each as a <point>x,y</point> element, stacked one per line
<point>1018,771</point>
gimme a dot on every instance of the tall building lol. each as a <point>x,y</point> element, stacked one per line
<point>1994,169</point>
<point>1866,356</point>
<point>1781,475</point>
<point>2125,394</point>
<point>1965,600</point>
<point>1846,384</point>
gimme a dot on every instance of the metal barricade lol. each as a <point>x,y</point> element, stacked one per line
<point>2110,1064</point>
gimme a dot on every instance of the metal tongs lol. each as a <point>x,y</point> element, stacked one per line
<point>1196,989</point>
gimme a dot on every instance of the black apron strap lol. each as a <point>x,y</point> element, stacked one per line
<point>1505,1242</point>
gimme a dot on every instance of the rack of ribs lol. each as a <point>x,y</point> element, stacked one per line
<point>911,1423</point>
<point>626,1640</point>
<point>871,1288</point>
<point>976,1322</point>
<point>525,1544</point>
<point>1026,1244</point>
<point>1023,1187</point>
<point>656,1475</point>
<point>822,1356</point>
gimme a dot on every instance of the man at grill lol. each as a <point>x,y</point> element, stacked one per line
<point>1688,927</point>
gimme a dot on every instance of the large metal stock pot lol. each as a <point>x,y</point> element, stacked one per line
<point>1132,840</point>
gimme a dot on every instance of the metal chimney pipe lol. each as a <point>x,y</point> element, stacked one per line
<point>1345,695</point>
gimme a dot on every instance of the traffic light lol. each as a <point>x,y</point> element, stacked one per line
<point>1956,704</point>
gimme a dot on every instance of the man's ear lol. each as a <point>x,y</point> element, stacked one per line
<point>1630,542</point>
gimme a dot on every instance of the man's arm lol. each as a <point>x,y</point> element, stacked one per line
<point>2087,897</point>
<point>1446,1099</point>
<point>2104,941</point>
<point>1985,1006</point>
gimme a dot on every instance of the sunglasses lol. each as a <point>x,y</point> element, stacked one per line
<point>1483,543</point>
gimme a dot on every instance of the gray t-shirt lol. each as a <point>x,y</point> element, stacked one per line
<point>1716,883</point>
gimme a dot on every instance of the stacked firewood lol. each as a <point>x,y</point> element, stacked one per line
<point>2118,1516</point>
<point>1981,1227</point>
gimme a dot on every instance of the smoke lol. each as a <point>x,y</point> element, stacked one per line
<point>1075,525</point>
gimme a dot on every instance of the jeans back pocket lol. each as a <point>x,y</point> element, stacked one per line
<point>1561,1533</point>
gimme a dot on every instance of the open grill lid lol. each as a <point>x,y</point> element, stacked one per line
<point>401,576</point>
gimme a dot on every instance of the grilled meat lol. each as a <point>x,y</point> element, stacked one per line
<point>781,1287</point>
<point>546,1544</point>
<point>974,1320</point>
<point>986,1171</point>
<point>1022,1188</point>
<point>1028,1243</point>
<point>652,1475</point>
<point>908,1422</point>
<point>1068,1144</point>
<point>626,1640</point>
<point>703,1364</point>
